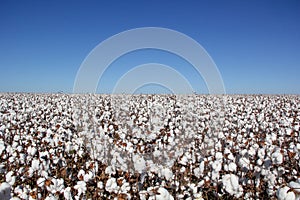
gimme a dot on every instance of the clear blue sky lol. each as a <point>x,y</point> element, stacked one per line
<point>255,44</point>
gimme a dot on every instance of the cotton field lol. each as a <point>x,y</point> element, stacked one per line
<point>59,146</point>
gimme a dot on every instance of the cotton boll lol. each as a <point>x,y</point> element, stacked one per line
<point>162,194</point>
<point>219,156</point>
<point>295,186</point>
<point>244,163</point>
<point>232,167</point>
<point>10,178</point>
<point>231,185</point>
<point>139,163</point>
<point>88,176</point>
<point>41,182</point>
<point>111,185</point>
<point>217,166</point>
<point>57,185</point>
<point>125,187</point>
<point>277,157</point>
<point>167,173</point>
<point>31,150</point>
<point>231,157</point>
<point>80,187</point>
<point>80,174</point>
<point>285,194</point>
<point>259,161</point>
<point>68,193</point>
<point>183,160</point>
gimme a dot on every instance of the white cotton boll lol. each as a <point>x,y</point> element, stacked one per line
<point>51,197</point>
<point>219,156</point>
<point>227,151</point>
<point>15,198</point>
<point>68,146</point>
<point>221,135</point>
<point>167,173</point>
<point>232,167</point>
<point>19,148</point>
<point>88,176</point>
<point>35,164</point>
<point>182,169</point>
<point>68,194</point>
<point>2,146</point>
<point>111,185</point>
<point>201,183</point>
<point>193,188</point>
<point>259,162</point>
<point>243,152</point>
<point>163,194</point>
<point>139,163</point>
<point>11,159</point>
<point>215,175</point>
<point>31,150</point>
<point>9,178</point>
<point>41,182</point>
<point>170,140</point>
<point>231,157</point>
<point>80,187</point>
<point>14,144</point>
<point>156,153</point>
<point>261,153</point>
<point>110,170</point>
<point>183,160</point>
<point>57,185</point>
<point>100,184</point>
<point>288,131</point>
<point>285,194</point>
<point>143,195</point>
<point>244,162</point>
<point>252,151</point>
<point>277,157</point>
<point>197,172</point>
<point>81,173</point>
<point>231,185</point>
<point>125,187</point>
<point>295,186</point>
<point>226,167</point>
<point>217,166</point>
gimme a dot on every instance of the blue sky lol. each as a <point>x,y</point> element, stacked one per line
<point>255,44</point>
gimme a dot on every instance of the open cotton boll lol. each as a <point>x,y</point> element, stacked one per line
<point>139,163</point>
<point>232,167</point>
<point>295,185</point>
<point>244,163</point>
<point>285,194</point>
<point>80,187</point>
<point>219,156</point>
<point>110,170</point>
<point>35,165</point>
<point>167,173</point>
<point>10,179</point>
<point>41,182</point>
<point>88,176</point>
<point>111,185</point>
<point>277,157</point>
<point>57,185</point>
<point>68,194</point>
<point>161,194</point>
<point>231,185</point>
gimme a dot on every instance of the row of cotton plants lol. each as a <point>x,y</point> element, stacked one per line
<point>59,146</point>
